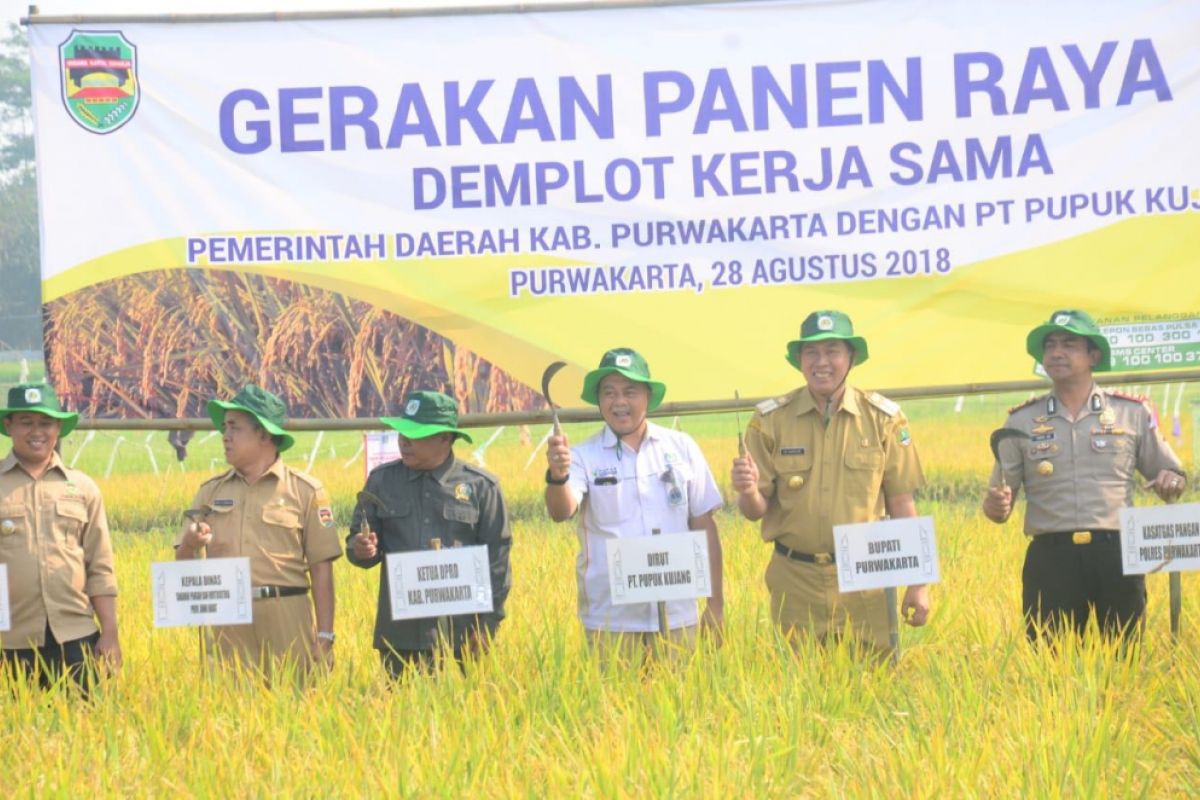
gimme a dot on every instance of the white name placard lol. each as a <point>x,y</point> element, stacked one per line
<point>1160,539</point>
<point>5,614</point>
<point>204,591</point>
<point>380,447</point>
<point>440,583</point>
<point>893,552</point>
<point>648,569</point>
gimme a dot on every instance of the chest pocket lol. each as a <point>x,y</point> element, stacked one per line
<point>220,519</point>
<point>69,518</point>
<point>280,531</point>
<point>282,516</point>
<point>464,513</point>
<point>396,530</point>
<point>460,521</point>
<point>1114,454</point>
<point>864,466</point>
<point>12,528</point>
<point>677,480</point>
<point>613,503</point>
<point>793,473</point>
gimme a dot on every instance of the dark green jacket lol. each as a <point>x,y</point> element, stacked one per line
<point>458,503</point>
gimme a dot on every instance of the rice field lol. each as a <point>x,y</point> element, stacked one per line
<point>970,711</point>
<point>161,343</point>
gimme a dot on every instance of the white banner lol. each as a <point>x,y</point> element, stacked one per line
<point>5,613</point>
<point>894,552</point>
<point>648,569</point>
<point>203,591</point>
<point>440,583</point>
<point>1160,538</point>
<point>381,447</point>
<point>493,179</point>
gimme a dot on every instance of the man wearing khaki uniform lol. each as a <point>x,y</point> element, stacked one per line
<point>1075,451</point>
<point>54,541</point>
<point>827,454</point>
<point>281,519</point>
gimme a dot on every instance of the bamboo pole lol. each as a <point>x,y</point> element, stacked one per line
<point>545,416</point>
<point>664,623</point>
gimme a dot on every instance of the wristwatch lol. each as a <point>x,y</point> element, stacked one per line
<point>327,636</point>
<point>553,481</point>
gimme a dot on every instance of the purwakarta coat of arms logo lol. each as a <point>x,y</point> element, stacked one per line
<point>99,79</point>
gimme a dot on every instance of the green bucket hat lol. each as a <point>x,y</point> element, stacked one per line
<point>629,363</point>
<point>1072,321</point>
<point>426,413</point>
<point>39,398</point>
<point>821,325</point>
<point>256,401</point>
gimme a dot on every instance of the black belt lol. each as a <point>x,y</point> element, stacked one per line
<point>1093,536</point>
<point>807,558</point>
<point>267,592</point>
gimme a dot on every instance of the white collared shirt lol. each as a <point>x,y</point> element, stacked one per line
<point>660,485</point>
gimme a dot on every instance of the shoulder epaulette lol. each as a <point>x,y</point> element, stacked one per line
<point>77,476</point>
<point>307,479</point>
<point>767,406</point>
<point>394,463</point>
<point>219,478</point>
<point>889,407</point>
<point>1135,398</point>
<point>469,467</point>
<point>773,403</point>
<point>1026,404</point>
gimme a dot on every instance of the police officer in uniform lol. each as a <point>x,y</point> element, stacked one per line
<point>827,454</point>
<point>1076,461</point>
<point>54,540</point>
<point>430,494</point>
<point>281,519</point>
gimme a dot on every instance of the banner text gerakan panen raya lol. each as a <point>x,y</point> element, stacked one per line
<point>343,210</point>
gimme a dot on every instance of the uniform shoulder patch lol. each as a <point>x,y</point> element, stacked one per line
<point>1026,404</point>
<point>889,407</point>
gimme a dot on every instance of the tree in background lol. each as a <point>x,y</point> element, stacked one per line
<point>20,274</point>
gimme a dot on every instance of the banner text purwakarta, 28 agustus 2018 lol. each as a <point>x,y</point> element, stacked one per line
<point>346,209</point>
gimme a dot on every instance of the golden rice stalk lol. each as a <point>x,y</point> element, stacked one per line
<point>162,343</point>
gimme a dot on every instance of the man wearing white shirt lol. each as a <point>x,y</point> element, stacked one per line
<point>631,478</point>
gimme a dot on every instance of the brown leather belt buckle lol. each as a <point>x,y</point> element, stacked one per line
<point>822,558</point>
<point>1081,537</point>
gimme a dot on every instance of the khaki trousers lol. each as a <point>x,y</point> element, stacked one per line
<point>805,601</point>
<point>284,630</point>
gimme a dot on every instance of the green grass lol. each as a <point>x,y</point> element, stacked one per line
<point>10,373</point>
